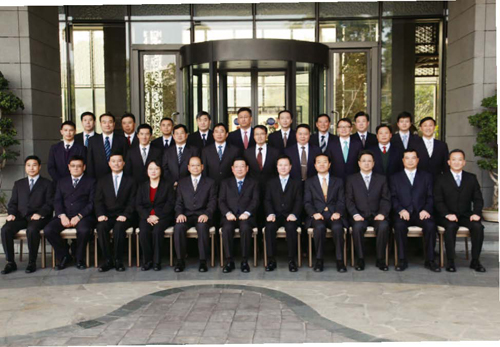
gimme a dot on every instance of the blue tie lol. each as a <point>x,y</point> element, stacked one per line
<point>240,185</point>
<point>107,148</point>
<point>323,143</point>
<point>87,140</point>
<point>345,151</point>
<point>179,157</point>
<point>204,139</point>
<point>405,141</point>
<point>220,153</point>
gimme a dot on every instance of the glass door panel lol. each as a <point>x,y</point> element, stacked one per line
<point>239,94</point>
<point>271,98</point>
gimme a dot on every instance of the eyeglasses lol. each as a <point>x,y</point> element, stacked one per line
<point>344,127</point>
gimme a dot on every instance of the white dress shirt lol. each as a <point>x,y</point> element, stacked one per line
<point>299,146</point>
<point>68,143</point>
<point>409,174</point>
<point>387,146</point>
<point>110,139</point>
<point>264,152</point>
<point>249,134</point>
<point>326,135</point>
<point>287,132</point>
<point>92,133</point>
<point>343,139</point>
<point>320,177</point>
<point>218,145</point>
<point>197,178</point>
<point>147,149</point>
<point>429,144</point>
<point>131,136</point>
<point>34,179</point>
<point>455,175</point>
<point>120,175</point>
<point>168,139</point>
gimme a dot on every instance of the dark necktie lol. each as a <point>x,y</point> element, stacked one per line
<point>179,156</point>
<point>204,139</point>
<point>384,151</point>
<point>259,158</point>
<point>219,152</point>
<point>240,185</point>
<point>75,182</point>
<point>166,144</point>
<point>66,153</point>
<point>285,139</point>
<point>32,183</point>
<point>128,140</point>
<point>363,140</point>
<point>87,140</point>
<point>107,148</point>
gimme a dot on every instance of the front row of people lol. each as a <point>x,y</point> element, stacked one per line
<point>114,204</point>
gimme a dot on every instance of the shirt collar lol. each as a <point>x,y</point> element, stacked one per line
<point>386,146</point>
<point>77,178</point>
<point>287,132</point>
<point>34,178</point>
<point>410,172</point>
<point>110,137</point>
<point>204,133</point>
<point>217,145</point>
<point>369,175</point>
<point>342,140</point>
<point>327,176</point>
<point>455,174</point>
<point>196,177</point>
<point>428,140</point>
<point>131,136</point>
<point>237,180</point>
<point>285,178</point>
<point>404,133</point>
<point>147,146</point>
<point>248,131</point>
<point>264,147</point>
<point>365,133</point>
<point>120,175</point>
<point>323,134</point>
<point>69,143</point>
<point>92,133</point>
<point>183,145</point>
<point>299,146</point>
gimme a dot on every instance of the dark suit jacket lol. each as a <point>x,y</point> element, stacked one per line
<point>293,153</point>
<point>135,167</point>
<point>315,139</point>
<point>451,199</point>
<point>275,140</point>
<point>72,201</point>
<point>195,140</point>
<point>111,206</point>
<point>57,164</point>
<point>164,201</point>
<point>283,203</point>
<point>191,203</point>
<point>314,201</point>
<point>24,203</point>
<point>247,200</point>
<point>412,198</point>
<point>236,140</point>
<point>81,140</point>
<point>159,143</point>
<point>135,141</point>
<point>339,168</point>
<point>438,162</point>
<point>413,142</point>
<point>171,167</point>
<point>371,139</point>
<point>219,169</point>
<point>394,162</point>
<point>269,166</point>
<point>367,202</point>
<point>97,165</point>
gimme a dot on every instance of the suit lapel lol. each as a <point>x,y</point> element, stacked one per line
<point>330,188</point>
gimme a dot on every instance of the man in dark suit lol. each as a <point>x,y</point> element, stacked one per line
<point>243,137</point>
<point>343,152</point>
<point>138,156</point>
<point>60,153</point>
<point>303,154</point>
<point>433,153</point>
<point>388,158</point>
<point>114,208</point>
<point>101,146</point>
<point>362,122</point>
<point>30,208</point>
<point>128,127</point>
<point>218,158</point>
<point>412,203</point>
<point>176,158</point>
<point>404,139</point>
<point>238,202</point>
<point>166,140</point>
<point>459,202</point>
<point>324,203</point>
<point>368,201</point>
<point>204,136</point>
<point>88,123</point>
<point>194,207</point>
<point>74,208</point>
<point>282,208</point>
<point>323,137</point>
<point>285,137</point>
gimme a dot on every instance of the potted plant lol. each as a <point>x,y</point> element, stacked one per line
<point>487,148</point>
<point>9,103</point>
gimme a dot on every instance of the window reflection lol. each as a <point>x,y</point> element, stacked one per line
<point>209,31</point>
<point>303,31</point>
<point>159,33</point>
<point>349,30</point>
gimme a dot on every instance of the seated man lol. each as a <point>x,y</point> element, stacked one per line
<point>30,208</point>
<point>412,203</point>
<point>114,209</point>
<point>324,203</point>
<point>368,202</point>
<point>195,205</point>
<point>283,206</point>
<point>238,202</point>
<point>459,202</point>
<point>74,208</point>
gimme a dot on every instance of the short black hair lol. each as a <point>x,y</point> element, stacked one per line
<point>181,126</point>
<point>157,163</point>
<point>68,122</point>
<point>365,152</point>
<point>203,113</point>
<point>324,115</point>
<point>404,114</point>
<point>383,125</point>
<point>287,111</point>
<point>117,152</point>
<point>75,158</point>
<point>345,119</point>
<point>167,119</point>
<point>456,150</point>
<point>32,157</point>
<point>425,120</point>
<point>221,125</point>
<point>303,125</point>
<point>362,114</point>
<point>242,109</point>
<point>128,115</point>
<point>107,114</point>
<point>87,113</point>
<point>145,126</point>
<point>410,150</point>
<point>322,155</point>
<point>284,156</point>
<point>240,159</point>
<point>261,127</point>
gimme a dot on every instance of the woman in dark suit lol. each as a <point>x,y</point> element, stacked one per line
<point>155,205</point>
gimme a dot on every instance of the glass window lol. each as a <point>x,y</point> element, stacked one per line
<point>222,11</point>
<point>285,10</point>
<point>302,78</point>
<point>239,94</point>
<point>303,31</point>
<point>158,33</point>
<point>271,98</point>
<point>201,90</point>
<point>386,69</point>
<point>348,30</point>
<point>348,9</point>
<point>97,12</point>
<point>159,12</point>
<point>412,8</point>
<point>64,69</point>
<point>209,31</point>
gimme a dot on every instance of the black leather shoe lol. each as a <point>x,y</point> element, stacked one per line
<point>119,266</point>
<point>157,267</point>
<point>228,267</point>
<point>402,265</point>
<point>106,266</point>
<point>80,265</point>
<point>179,267</point>
<point>271,265</point>
<point>318,267</point>
<point>147,266</point>
<point>31,267</point>
<point>360,265</point>
<point>203,266</point>
<point>9,267</point>
<point>292,266</point>
<point>64,262</point>
<point>382,265</point>
<point>431,265</point>
<point>244,267</point>
<point>476,265</point>
<point>451,266</point>
<point>340,266</point>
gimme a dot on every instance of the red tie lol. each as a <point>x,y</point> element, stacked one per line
<point>259,158</point>
<point>245,140</point>
<point>384,150</point>
<point>128,139</point>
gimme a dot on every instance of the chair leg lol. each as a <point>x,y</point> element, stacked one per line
<point>387,254</point>
<point>255,260</point>
<point>221,249</point>
<point>171,239</point>
<point>352,251</point>
<point>212,251</point>
<point>441,253</point>
<point>88,254</point>
<point>137,251</point>
<point>21,250</point>
<point>345,251</point>
<point>299,251</point>
<point>265,246</point>
<point>395,253</point>
<point>53,258</point>
<point>466,248</point>
<point>310,250</point>
<point>95,250</point>
<point>130,250</point>
<point>43,252</point>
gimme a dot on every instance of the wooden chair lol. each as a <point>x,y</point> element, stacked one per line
<point>281,234</point>
<point>237,235</point>
<point>462,232</point>
<point>370,232</point>
<point>70,234</point>
<point>415,231</point>
<point>129,232</point>
<point>329,235</point>
<point>21,236</point>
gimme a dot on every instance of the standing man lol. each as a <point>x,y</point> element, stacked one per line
<point>303,154</point>
<point>387,157</point>
<point>30,208</point>
<point>413,203</point>
<point>60,152</point>
<point>139,156</point>
<point>166,140</point>
<point>88,123</point>
<point>128,127</point>
<point>238,202</point>
<point>114,208</point>
<point>343,152</point>
<point>74,208</point>
<point>368,202</point>
<point>204,136</point>
<point>101,146</point>
<point>243,137</point>
<point>285,137</point>
<point>433,153</point>
<point>404,139</point>
<point>459,202</point>
<point>282,208</point>
<point>362,122</point>
<point>323,137</point>
<point>194,207</point>
<point>324,203</point>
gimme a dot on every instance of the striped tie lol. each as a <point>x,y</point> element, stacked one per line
<point>323,143</point>
<point>87,140</point>
<point>219,152</point>
<point>107,148</point>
